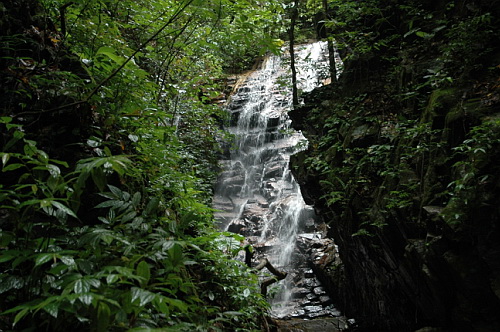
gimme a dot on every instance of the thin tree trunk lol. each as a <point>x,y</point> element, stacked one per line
<point>331,48</point>
<point>291,34</point>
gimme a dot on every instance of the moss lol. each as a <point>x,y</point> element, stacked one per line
<point>439,102</point>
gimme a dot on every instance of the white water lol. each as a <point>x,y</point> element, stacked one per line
<point>257,194</point>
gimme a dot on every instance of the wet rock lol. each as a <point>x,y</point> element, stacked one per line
<point>309,273</point>
<point>298,313</point>
<point>313,325</point>
<point>255,218</point>
<point>310,236</point>
<point>311,309</point>
<point>253,211</point>
<point>309,282</point>
<point>319,291</point>
<point>236,226</point>
<point>222,203</point>
<point>239,179</point>
<point>235,116</point>
<point>309,225</point>
<point>233,189</point>
<point>325,300</point>
<point>274,170</point>
<point>273,123</point>
<point>299,292</point>
<point>272,185</point>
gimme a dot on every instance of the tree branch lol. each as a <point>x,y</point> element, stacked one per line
<point>279,275</point>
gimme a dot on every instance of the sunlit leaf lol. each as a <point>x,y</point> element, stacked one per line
<point>44,258</point>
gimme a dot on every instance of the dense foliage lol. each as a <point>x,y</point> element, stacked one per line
<point>110,133</point>
<point>403,161</point>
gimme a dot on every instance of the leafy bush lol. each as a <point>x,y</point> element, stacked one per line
<point>116,232</point>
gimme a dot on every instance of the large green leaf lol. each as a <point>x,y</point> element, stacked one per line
<point>143,270</point>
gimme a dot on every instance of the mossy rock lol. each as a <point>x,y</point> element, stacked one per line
<point>440,101</point>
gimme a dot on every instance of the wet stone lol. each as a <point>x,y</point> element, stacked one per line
<point>317,314</point>
<point>325,300</point>
<point>255,219</point>
<point>309,309</point>
<point>236,226</point>
<point>233,189</point>
<point>309,273</point>
<point>273,171</point>
<point>298,313</point>
<point>319,291</point>
<point>300,292</point>
<point>309,282</point>
<point>334,312</point>
<point>239,179</point>
<point>272,123</point>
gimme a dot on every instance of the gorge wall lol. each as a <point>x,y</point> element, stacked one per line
<point>403,164</point>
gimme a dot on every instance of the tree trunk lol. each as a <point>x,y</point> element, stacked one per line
<point>331,48</point>
<point>291,34</point>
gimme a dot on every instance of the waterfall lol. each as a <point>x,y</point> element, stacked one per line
<point>256,194</point>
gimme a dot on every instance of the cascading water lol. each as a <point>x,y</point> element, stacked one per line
<point>257,195</point>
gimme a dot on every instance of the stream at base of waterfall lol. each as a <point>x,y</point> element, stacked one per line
<point>258,197</point>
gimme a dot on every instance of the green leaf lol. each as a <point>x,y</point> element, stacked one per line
<point>53,170</point>
<point>11,282</point>
<point>52,308</point>
<point>152,205</point>
<point>110,52</point>
<point>81,286</point>
<point>44,258</point>
<point>63,208</point>
<point>424,35</point>
<point>136,199</point>
<point>143,295</point>
<point>129,216</point>
<point>182,306</point>
<point>86,298</point>
<point>20,315</point>
<point>43,156</point>
<point>11,167</point>
<point>112,278</point>
<point>115,190</point>
<point>233,313</point>
<point>30,148</point>
<point>103,316</point>
<point>5,158</point>
<point>99,178</point>
<point>176,256</point>
<point>110,203</point>
<point>5,119</point>
<point>68,260</point>
<point>143,270</point>
<point>5,258</point>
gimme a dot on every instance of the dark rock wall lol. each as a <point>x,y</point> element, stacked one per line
<point>405,170</point>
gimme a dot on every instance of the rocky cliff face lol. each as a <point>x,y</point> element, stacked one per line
<point>404,166</point>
